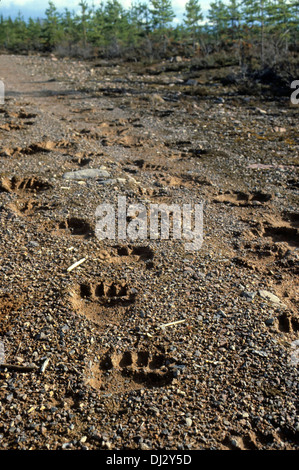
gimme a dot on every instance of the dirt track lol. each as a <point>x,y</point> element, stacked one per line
<point>88,362</point>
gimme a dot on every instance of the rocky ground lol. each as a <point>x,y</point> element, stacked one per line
<point>144,345</point>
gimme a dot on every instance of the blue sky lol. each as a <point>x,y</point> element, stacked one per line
<point>37,9</point>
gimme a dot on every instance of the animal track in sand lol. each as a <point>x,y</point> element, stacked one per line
<point>248,442</point>
<point>127,254</point>
<point>254,440</point>
<point>283,229</point>
<point>126,141</point>
<point>31,184</point>
<point>82,158</point>
<point>269,236</point>
<point>36,147</point>
<point>27,207</point>
<point>11,126</point>
<point>103,301</point>
<point>111,134</point>
<point>167,175</point>
<point>270,247</point>
<point>13,118</point>
<point>21,114</point>
<point>291,217</point>
<point>109,292</point>
<point>286,234</point>
<point>143,165</point>
<point>8,306</point>
<point>130,370</point>
<point>288,323</point>
<point>141,252</point>
<point>76,226</point>
<point>239,198</point>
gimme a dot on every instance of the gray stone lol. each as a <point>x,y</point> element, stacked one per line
<point>33,243</point>
<point>260,353</point>
<point>144,446</point>
<point>269,296</point>
<point>87,173</point>
<point>107,181</point>
<point>188,422</point>
<point>42,336</point>
<point>191,82</point>
<point>248,295</point>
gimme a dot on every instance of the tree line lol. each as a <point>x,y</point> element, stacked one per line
<point>150,29</point>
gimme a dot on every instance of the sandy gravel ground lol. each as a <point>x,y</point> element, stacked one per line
<point>144,344</point>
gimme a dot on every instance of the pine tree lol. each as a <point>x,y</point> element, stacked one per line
<point>233,17</point>
<point>193,15</point>
<point>34,31</point>
<point>255,13</point>
<point>20,32</point>
<point>161,17</point>
<point>115,28</point>
<point>139,23</point>
<point>52,31</point>
<point>139,16</point>
<point>71,34</point>
<point>97,24</point>
<point>218,18</point>
<point>162,14</point>
<point>279,15</point>
<point>2,30</point>
<point>83,20</point>
<point>294,21</point>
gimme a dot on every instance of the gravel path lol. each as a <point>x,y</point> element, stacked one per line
<point>144,345</point>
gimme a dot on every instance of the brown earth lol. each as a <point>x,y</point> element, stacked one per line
<point>145,345</point>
